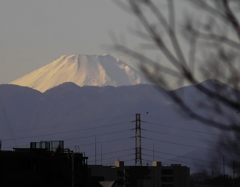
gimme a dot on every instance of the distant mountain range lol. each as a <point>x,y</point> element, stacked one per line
<point>91,100</point>
<point>83,70</point>
<point>78,115</point>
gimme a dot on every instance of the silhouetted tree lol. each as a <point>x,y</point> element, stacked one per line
<point>210,49</point>
<point>199,177</point>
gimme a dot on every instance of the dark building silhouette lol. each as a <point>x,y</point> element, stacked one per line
<point>44,164</point>
<point>156,175</point>
<point>49,164</point>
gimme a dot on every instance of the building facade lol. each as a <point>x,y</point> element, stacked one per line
<point>156,175</point>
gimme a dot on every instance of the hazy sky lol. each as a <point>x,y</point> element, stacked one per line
<point>35,32</point>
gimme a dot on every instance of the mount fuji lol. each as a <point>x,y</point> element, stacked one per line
<point>83,70</point>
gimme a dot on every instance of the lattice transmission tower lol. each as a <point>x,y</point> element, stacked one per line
<point>138,146</point>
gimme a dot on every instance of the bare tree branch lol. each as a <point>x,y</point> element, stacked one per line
<point>209,41</point>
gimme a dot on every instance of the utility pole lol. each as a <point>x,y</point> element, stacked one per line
<point>138,148</point>
<point>95,150</point>
<point>153,153</point>
<point>101,155</point>
<point>72,169</point>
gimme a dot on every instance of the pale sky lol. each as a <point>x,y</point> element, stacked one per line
<point>35,32</point>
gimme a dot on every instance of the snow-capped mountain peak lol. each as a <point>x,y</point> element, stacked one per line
<point>83,70</point>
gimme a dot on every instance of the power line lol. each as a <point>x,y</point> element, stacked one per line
<point>84,129</point>
<point>180,144</point>
<point>90,128</point>
<point>69,132</point>
<point>108,141</point>
<point>113,152</point>
<point>188,137</point>
<point>172,119</point>
<point>184,129</point>
<point>183,156</point>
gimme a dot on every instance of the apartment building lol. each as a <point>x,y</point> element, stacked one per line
<point>157,175</point>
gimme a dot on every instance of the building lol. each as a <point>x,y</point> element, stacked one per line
<point>156,175</point>
<point>45,163</point>
<point>48,163</point>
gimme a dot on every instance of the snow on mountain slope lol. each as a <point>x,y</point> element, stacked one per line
<point>83,70</point>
